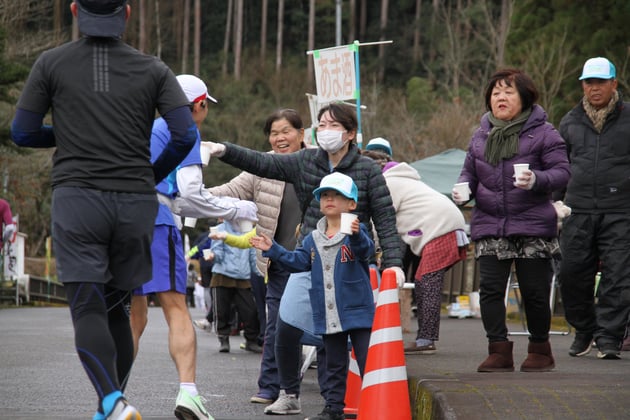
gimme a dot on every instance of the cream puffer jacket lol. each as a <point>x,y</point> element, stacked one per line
<point>266,193</point>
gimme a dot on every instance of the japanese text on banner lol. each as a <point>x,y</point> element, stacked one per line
<point>335,73</point>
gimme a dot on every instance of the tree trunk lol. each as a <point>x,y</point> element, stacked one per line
<point>279,35</point>
<point>58,21</point>
<point>238,39</point>
<point>197,39</point>
<point>263,33</point>
<point>352,33</point>
<point>142,26</point>
<point>363,19</point>
<point>416,54</point>
<point>185,35</point>
<point>381,47</point>
<point>228,36</point>
<point>158,32</point>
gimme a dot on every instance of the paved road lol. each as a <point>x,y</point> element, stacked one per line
<point>41,377</point>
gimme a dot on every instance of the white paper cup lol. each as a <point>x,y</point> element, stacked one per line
<point>207,253</point>
<point>204,149</point>
<point>214,230</point>
<point>519,168</point>
<point>346,223</point>
<point>190,222</point>
<point>463,190</point>
<point>245,225</point>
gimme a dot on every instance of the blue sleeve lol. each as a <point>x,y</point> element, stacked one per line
<point>361,243</point>
<point>292,261</point>
<point>183,136</point>
<point>27,130</point>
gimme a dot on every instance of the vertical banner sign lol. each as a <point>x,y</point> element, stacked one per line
<point>335,75</point>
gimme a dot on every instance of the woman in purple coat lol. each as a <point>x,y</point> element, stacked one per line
<point>514,221</point>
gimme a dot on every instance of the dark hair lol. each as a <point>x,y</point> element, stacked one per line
<point>517,79</point>
<point>380,157</point>
<point>291,115</point>
<point>343,114</point>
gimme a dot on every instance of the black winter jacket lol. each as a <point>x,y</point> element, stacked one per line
<point>305,169</point>
<point>600,162</point>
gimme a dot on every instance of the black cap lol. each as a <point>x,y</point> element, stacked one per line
<point>104,18</point>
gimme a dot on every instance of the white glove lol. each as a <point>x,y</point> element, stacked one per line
<point>561,209</point>
<point>526,180</point>
<point>216,149</point>
<point>246,210</point>
<point>9,230</point>
<point>400,276</point>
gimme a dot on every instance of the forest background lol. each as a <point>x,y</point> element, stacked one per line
<point>423,91</point>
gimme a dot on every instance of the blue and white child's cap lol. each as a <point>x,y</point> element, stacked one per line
<point>338,182</point>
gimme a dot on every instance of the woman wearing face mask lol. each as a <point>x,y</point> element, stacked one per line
<point>336,133</point>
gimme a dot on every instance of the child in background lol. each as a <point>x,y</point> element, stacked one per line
<point>230,283</point>
<point>341,294</point>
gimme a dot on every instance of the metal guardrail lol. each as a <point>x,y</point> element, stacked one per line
<point>32,289</point>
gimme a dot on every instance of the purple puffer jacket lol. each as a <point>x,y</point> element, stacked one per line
<point>501,209</point>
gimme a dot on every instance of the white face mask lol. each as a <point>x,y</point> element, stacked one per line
<point>330,140</point>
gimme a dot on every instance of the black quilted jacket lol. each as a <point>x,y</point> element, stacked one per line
<point>306,168</point>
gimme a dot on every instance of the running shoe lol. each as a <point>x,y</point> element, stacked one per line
<point>190,408</point>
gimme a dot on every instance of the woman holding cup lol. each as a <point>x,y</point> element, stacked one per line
<point>514,221</point>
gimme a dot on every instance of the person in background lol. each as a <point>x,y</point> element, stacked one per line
<point>231,272</point>
<point>7,225</point>
<point>205,267</point>
<point>168,281</point>
<point>103,95</point>
<point>278,217</point>
<point>341,293</point>
<point>337,152</point>
<point>597,135</point>
<point>379,144</point>
<point>432,226</point>
<point>191,280</point>
<point>514,221</point>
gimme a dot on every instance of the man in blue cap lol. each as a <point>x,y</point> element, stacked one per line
<point>595,236</point>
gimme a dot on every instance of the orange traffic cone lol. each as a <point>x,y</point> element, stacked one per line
<point>385,392</point>
<point>353,382</point>
<point>353,388</point>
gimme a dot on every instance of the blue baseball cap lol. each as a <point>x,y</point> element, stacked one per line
<point>598,68</point>
<point>340,183</point>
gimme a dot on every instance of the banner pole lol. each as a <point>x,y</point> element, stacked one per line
<point>358,99</point>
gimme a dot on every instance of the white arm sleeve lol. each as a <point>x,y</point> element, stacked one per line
<point>195,201</point>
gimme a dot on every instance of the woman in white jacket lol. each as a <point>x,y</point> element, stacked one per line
<point>433,228</point>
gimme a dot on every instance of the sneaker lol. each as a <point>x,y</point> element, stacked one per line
<point>190,408</point>
<point>285,404</point>
<point>123,411</point>
<point>261,399</point>
<point>413,348</point>
<point>581,345</point>
<point>608,351</point>
<point>328,414</point>
<point>202,324</point>
<point>253,347</point>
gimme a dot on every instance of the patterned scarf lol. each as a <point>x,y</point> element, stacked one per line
<point>598,116</point>
<point>503,138</point>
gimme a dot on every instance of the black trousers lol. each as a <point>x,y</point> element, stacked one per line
<point>587,241</point>
<point>245,306</point>
<point>534,281</point>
